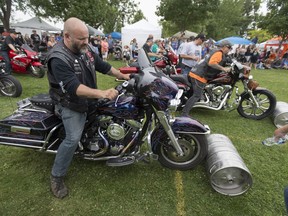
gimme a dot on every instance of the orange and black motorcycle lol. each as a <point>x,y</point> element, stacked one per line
<point>254,102</point>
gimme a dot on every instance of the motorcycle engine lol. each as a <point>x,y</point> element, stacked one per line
<point>112,135</point>
<point>115,131</point>
<point>216,92</point>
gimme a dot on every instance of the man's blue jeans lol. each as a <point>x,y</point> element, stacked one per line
<point>198,88</point>
<point>8,68</point>
<point>74,124</point>
<point>185,69</point>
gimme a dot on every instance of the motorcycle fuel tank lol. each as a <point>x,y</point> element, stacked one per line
<point>125,107</point>
<point>222,78</point>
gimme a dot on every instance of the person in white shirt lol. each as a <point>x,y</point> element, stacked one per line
<point>191,53</point>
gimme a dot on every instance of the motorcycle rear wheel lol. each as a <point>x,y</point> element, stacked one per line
<point>195,149</point>
<point>10,86</point>
<point>38,71</point>
<point>266,100</point>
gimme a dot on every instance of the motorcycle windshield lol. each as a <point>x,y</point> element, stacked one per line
<point>26,47</point>
<point>153,85</point>
<point>143,59</point>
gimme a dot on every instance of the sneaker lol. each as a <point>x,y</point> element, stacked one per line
<point>58,187</point>
<point>271,141</point>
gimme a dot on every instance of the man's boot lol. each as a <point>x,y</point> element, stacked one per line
<point>58,187</point>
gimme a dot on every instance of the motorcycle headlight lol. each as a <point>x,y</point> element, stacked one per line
<point>174,103</point>
<point>34,57</point>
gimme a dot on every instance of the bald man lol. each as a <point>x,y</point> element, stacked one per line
<point>73,86</point>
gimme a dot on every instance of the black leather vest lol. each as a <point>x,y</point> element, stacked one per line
<point>81,65</point>
<point>204,70</point>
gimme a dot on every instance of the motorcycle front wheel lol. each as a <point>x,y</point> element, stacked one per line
<point>195,149</point>
<point>266,101</point>
<point>38,71</point>
<point>10,86</point>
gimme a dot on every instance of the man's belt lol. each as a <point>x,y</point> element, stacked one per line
<point>186,66</point>
<point>195,76</point>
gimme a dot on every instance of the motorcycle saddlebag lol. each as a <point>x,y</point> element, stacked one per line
<point>27,126</point>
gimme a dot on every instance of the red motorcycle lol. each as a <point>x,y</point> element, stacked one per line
<point>27,61</point>
<point>167,63</point>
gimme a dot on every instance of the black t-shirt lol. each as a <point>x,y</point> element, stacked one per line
<point>10,40</point>
<point>147,48</point>
<point>35,38</point>
<point>64,73</point>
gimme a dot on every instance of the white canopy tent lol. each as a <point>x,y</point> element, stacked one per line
<point>36,23</point>
<point>185,34</point>
<point>139,30</point>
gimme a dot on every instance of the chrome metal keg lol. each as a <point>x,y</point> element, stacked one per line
<point>280,115</point>
<point>227,171</point>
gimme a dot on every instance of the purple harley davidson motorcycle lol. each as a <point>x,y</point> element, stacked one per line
<point>142,114</point>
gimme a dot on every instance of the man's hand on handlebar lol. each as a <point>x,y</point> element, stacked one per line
<point>126,76</point>
<point>227,69</point>
<point>110,93</point>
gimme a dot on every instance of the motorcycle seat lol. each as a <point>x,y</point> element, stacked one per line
<point>43,101</point>
<point>181,78</point>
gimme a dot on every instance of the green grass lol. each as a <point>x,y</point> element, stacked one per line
<point>141,189</point>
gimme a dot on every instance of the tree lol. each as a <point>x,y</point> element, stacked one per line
<point>249,14</point>
<point>226,19</point>
<point>262,34</point>
<point>108,14</point>
<point>219,18</point>
<point>233,17</point>
<point>186,14</point>
<point>5,12</point>
<point>276,20</point>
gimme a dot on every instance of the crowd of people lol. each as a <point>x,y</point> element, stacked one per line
<point>103,46</point>
<point>37,42</point>
<point>261,59</point>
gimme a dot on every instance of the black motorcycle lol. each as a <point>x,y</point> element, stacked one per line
<point>115,131</point>
<point>254,102</point>
<point>9,85</point>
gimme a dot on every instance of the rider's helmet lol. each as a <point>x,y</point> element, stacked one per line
<point>225,43</point>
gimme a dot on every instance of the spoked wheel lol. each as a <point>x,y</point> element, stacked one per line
<point>195,149</point>
<point>10,86</point>
<point>36,71</point>
<point>266,101</point>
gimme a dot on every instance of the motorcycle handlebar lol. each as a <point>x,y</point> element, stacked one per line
<point>130,85</point>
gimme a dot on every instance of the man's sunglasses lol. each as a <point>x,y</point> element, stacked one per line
<point>229,47</point>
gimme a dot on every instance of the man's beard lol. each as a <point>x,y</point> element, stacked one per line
<point>77,49</point>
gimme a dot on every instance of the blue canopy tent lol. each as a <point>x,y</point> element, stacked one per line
<point>236,40</point>
<point>115,35</point>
